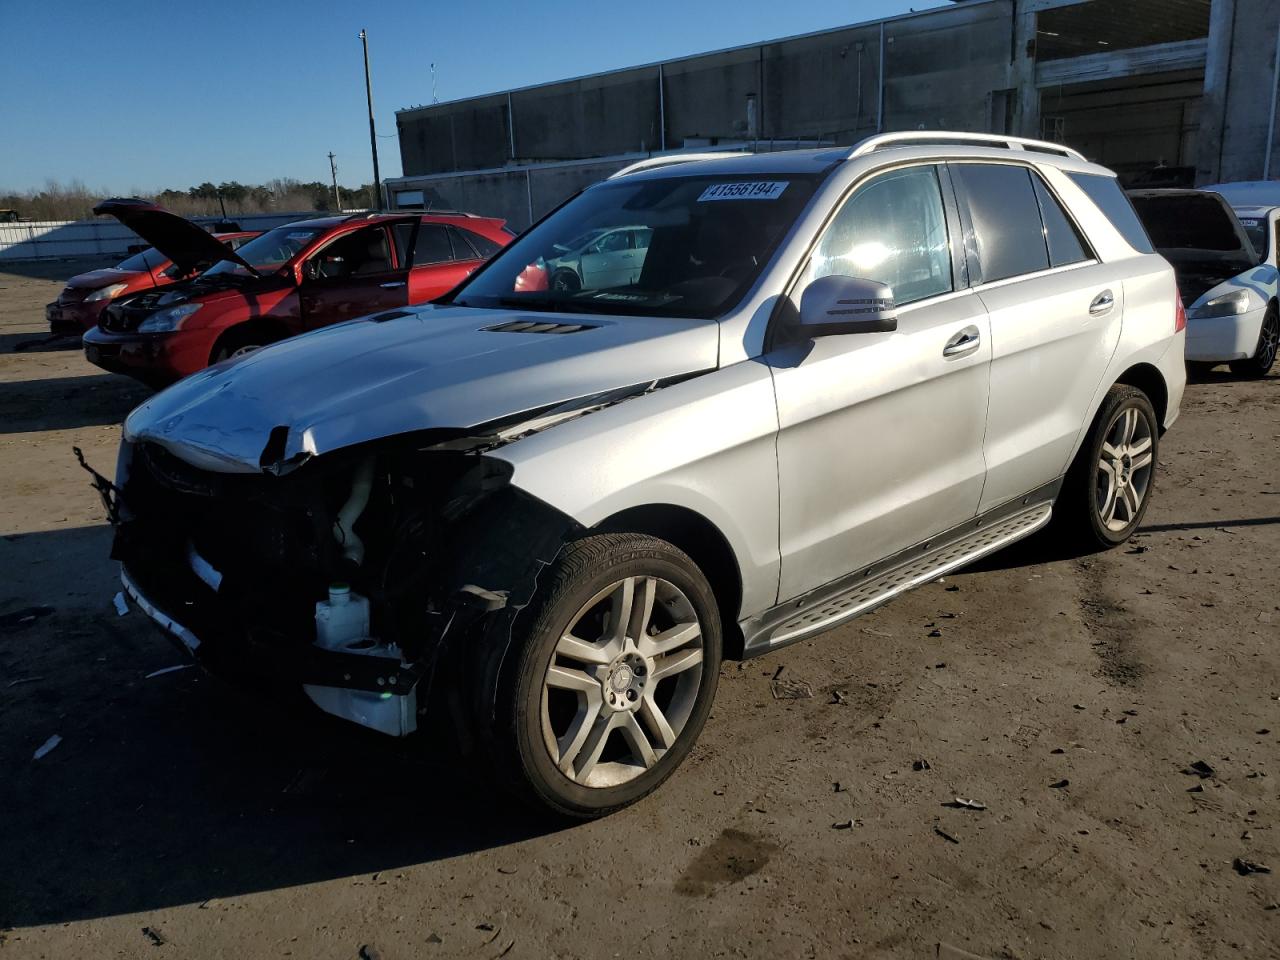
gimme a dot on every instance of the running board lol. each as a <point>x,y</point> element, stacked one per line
<point>867,589</point>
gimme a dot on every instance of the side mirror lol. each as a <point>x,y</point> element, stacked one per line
<point>837,305</point>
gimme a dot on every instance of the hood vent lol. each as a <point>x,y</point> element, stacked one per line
<point>532,326</point>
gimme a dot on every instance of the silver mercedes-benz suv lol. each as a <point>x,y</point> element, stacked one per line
<point>542,513</point>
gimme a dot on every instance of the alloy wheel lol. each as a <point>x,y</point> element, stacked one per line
<point>1269,340</point>
<point>622,682</point>
<point>1124,469</point>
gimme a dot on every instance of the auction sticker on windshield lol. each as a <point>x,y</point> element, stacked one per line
<point>755,190</point>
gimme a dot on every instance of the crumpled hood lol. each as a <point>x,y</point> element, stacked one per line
<point>418,369</point>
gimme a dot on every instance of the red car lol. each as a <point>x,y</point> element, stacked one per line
<point>294,278</point>
<point>86,295</point>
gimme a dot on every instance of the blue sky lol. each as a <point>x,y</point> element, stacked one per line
<point>142,95</point>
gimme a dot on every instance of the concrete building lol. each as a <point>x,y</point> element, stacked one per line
<point>1164,91</point>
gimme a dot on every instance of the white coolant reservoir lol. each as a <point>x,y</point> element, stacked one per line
<point>342,624</point>
<point>343,619</point>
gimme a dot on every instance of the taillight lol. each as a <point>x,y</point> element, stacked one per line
<point>1179,314</point>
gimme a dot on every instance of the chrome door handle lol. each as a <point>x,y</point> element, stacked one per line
<point>1102,303</point>
<point>392,285</point>
<point>964,342</point>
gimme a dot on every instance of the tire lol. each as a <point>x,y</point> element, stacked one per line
<point>566,281</point>
<point>558,740</point>
<point>1109,485</point>
<point>241,340</point>
<point>1264,355</point>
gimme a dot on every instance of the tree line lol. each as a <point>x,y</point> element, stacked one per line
<point>75,201</point>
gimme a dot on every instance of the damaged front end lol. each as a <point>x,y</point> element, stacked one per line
<point>360,576</point>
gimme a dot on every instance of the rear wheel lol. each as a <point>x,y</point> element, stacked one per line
<point>614,676</point>
<point>1259,365</point>
<point>1109,485</point>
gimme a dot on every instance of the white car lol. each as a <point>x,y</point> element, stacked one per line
<point>600,258</point>
<point>542,517</point>
<point>1228,286</point>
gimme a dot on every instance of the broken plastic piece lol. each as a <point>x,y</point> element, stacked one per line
<point>161,672</point>
<point>47,747</point>
<point>122,605</point>
<point>960,803</point>
<point>493,599</point>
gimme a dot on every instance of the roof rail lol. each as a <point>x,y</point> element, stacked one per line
<point>668,159</point>
<point>923,137</point>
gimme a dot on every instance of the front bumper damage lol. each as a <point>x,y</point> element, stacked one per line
<point>230,567</point>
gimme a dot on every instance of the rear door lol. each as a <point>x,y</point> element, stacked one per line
<point>880,434</point>
<point>1055,321</point>
<point>441,260</point>
<point>356,274</point>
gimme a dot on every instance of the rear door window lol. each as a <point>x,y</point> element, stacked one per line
<point>1064,241</point>
<point>1006,219</point>
<point>433,245</point>
<point>1111,200</point>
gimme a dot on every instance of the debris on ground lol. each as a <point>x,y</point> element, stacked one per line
<point>922,764</point>
<point>839,697</point>
<point>842,825</point>
<point>840,787</point>
<point>434,938</point>
<point>369,952</point>
<point>960,803</point>
<point>155,936</point>
<point>1245,867</point>
<point>1199,769</point>
<point>935,633</point>
<point>47,747</point>
<point>944,835</point>
<point>21,619</point>
<point>785,688</point>
<point>1059,784</point>
<point>122,605</point>
<point>21,680</point>
<point>161,672</point>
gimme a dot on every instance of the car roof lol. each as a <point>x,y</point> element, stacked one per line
<point>446,216</point>
<point>785,162</point>
<point>1253,209</point>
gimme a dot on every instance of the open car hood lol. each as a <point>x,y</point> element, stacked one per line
<point>182,241</point>
<point>410,370</point>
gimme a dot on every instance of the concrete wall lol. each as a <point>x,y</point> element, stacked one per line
<point>941,67</point>
<point>1240,82</point>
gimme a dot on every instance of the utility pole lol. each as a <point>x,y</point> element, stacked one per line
<point>373,135</point>
<point>337,197</point>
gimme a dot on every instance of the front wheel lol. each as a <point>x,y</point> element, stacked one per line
<point>1109,485</point>
<point>1259,365</point>
<point>615,673</point>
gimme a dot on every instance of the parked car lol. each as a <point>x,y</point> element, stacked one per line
<point>297,277</point>
<point>86,295</point>
<point>1228,287</point>
<point>1248,193</point>
<point>549,514</point>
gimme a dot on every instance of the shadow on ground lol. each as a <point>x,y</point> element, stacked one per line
<point>177,789</point>
<point>62,403</point>
<point>57,268</point>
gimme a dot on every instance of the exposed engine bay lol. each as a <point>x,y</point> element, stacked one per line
<point>358,574</point>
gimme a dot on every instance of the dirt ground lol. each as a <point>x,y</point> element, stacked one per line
<point>1070,695</point>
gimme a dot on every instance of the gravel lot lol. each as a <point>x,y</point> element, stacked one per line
<point>1070,695</point>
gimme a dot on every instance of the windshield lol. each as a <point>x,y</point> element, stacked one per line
<point>270,251</point>
<point>676,246</point>
<point>1256,228</point>
<point>142,261</point>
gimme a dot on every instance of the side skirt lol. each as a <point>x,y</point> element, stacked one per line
<point>867,588</point>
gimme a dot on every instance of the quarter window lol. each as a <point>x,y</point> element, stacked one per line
<point>1111,200</point>
<point>1060,235</point>
<point>1006,219</point>
<point>483,245</point>
<point>893,230</point>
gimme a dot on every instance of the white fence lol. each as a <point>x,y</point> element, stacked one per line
<point>105,236</point>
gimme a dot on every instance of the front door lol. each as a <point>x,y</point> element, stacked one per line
<point>880,434</point>
<point>610,261</point>
<point>355,275</point>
